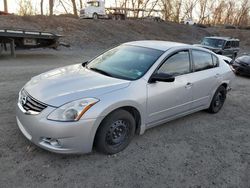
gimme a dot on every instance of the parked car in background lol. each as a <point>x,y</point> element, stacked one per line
<point>226,46</point>
<point>242,65</point>
<point>189,21</point>
<point>124,91</point>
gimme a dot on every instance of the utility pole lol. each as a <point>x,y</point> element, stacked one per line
<point>5,6</point>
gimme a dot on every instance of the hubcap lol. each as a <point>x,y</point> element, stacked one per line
<point>117,133</point>
<point>219,99</point>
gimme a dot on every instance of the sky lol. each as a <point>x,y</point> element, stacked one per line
<point>14,4</point>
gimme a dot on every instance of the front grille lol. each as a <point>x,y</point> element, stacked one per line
<point>31,104</point>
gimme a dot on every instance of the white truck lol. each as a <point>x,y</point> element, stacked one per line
<point>95,9</point>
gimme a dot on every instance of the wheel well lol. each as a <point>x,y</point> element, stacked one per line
<point>137,116</point>
<point>224,85</point>
<point>133,111</point>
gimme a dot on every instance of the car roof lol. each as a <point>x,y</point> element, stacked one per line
<point>157,44</point>
<point>223,38</point>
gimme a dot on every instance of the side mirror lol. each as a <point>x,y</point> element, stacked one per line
<point>161,77</point>
<point>84,63</point>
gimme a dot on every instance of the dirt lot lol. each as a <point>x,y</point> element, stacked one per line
<point>199,150</point>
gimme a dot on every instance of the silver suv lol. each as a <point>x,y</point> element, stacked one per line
<point>120,93</point>
<point>226,46</point>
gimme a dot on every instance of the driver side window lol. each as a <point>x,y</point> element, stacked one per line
<point>176,64</point>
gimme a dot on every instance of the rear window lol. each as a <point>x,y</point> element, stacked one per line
<point>202,60</point>
<point>215,61</point>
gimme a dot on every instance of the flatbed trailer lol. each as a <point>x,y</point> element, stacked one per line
<point>96,9</point>
<point>23,39</point>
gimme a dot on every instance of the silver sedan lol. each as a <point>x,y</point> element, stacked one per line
<point>106,101</point>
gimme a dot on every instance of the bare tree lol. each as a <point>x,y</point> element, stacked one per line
<point>41,7</point>
<point>153,5</point>
<point>51,7</point>
<point>166,7</point>
<point>5,6</point>
<point>243,13</point>
<point>65,9</point>
<point>177,5</point>
<point>218,13</point>
<point>81,4</point>
<point>25,8</point>
<point>188,8</point>
<point>230,12</point>
<point>74,7</point>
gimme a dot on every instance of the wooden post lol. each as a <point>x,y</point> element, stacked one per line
<point>12,48</point>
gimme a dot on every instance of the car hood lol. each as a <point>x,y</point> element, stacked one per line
<point>244,59</point>
<point>66,84</point>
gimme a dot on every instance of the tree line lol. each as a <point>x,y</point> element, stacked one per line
<point>212,12</point>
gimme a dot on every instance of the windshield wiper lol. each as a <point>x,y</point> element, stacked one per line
<point>101,71</point>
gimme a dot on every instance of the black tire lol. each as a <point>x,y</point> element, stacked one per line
<point>95,16</point>
<point>115,132</point>
<point>218,100</point>
<point>118,17</point>
<point>113,17</point>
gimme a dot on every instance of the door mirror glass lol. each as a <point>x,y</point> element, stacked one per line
<point>161,77</point>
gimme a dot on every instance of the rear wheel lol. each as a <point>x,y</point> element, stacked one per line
<point>115,132</point>
<point>218,100</point>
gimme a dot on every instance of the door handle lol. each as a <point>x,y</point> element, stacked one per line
<point>188,85</point>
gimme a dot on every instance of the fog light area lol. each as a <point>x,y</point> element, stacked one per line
<point>51,141</point>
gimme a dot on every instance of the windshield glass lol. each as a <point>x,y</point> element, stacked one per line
<point>125,62</point>
<point>92,4</point>
<point>216,43</point>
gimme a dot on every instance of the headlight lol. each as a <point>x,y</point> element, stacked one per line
<point>72,111</point>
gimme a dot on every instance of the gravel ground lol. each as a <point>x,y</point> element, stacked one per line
<point>199,150</point>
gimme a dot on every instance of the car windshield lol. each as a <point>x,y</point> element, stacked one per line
<point>125,62</point>
<point>216,43</point>
<point>92,4</point>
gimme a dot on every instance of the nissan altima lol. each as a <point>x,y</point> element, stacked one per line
<point>123,92</point>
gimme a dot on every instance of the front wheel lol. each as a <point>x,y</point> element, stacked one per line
<point>95,16</point>
<point>115,132</point>
<point>218,100</point>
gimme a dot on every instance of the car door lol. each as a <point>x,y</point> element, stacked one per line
<point>167,99</point>
<point>205,78</point>
<point>228,49</point>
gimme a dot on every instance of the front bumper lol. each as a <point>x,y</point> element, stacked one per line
<point>84,16</point>
<point>58,137</point>
<point>242,69</point>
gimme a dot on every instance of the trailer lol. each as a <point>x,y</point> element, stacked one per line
<point>5,13</point>
<point>96,9</point>
<point>22,39</point>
